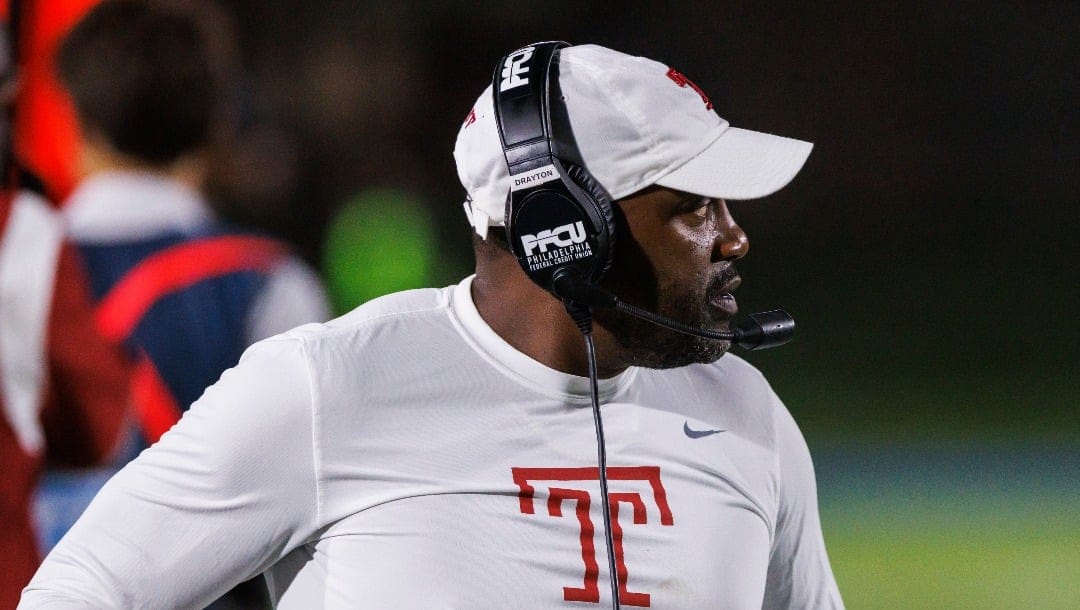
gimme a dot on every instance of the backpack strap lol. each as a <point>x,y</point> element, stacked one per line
<point>179,267</point>
<point>157,276</point>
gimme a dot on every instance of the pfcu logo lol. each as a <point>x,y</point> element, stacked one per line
<point>561,237</point>
<point>514,69</point>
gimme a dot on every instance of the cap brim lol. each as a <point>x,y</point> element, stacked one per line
<point>740,164</point>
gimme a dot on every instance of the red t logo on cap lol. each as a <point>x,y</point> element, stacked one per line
<point>682,81</point>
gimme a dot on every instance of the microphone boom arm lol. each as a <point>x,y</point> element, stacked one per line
<point>758,331</point>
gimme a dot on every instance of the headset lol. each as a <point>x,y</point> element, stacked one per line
<point>558,217</point>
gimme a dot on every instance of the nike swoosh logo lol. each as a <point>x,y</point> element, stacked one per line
<point>697,433</point>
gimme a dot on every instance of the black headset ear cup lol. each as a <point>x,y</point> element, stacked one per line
<point>602,201</point>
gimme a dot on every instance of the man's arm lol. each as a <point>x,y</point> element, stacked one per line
<point>799,574</point>
<point>221,497</point>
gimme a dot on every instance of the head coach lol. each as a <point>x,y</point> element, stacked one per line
<point>561,430</point>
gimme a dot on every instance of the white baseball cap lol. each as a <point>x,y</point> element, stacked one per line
<point>636,123</point>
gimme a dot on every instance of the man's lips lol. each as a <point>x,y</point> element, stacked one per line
<point>719,293</point>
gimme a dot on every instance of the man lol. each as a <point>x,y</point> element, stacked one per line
<point>186,291</point>
<point>435,448</point>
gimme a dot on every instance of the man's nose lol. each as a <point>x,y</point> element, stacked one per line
<point>731,241</point>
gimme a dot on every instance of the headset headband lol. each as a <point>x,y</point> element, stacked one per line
<point>557,215</point>
<point>522,109</point>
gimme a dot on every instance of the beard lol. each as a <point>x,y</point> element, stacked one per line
<point>647,345</point>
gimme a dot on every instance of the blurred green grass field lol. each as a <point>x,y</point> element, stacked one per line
<point>939,556</point>
<point>979,527</point>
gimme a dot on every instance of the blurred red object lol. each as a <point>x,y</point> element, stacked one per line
<point>45,132</point>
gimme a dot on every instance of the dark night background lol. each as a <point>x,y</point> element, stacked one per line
<point>928,249</point>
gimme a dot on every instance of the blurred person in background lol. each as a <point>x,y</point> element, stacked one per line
<point>435,447</point>
<point>63,387</point>
<point>150,82</point>
<point>186,290</point>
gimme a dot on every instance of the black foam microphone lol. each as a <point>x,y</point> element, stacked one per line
<point>757,331</point>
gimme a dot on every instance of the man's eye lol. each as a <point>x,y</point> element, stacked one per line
<point>699,207</point>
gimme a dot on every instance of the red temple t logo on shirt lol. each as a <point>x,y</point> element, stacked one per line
<point>558,494</point>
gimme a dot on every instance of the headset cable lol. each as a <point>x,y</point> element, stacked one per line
<point>583,318</point>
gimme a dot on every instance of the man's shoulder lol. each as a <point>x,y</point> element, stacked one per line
<point>420,302</point>
<point>387,343</point>
<point>398,312</point>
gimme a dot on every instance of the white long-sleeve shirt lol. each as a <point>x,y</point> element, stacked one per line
<point>405,456</point>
